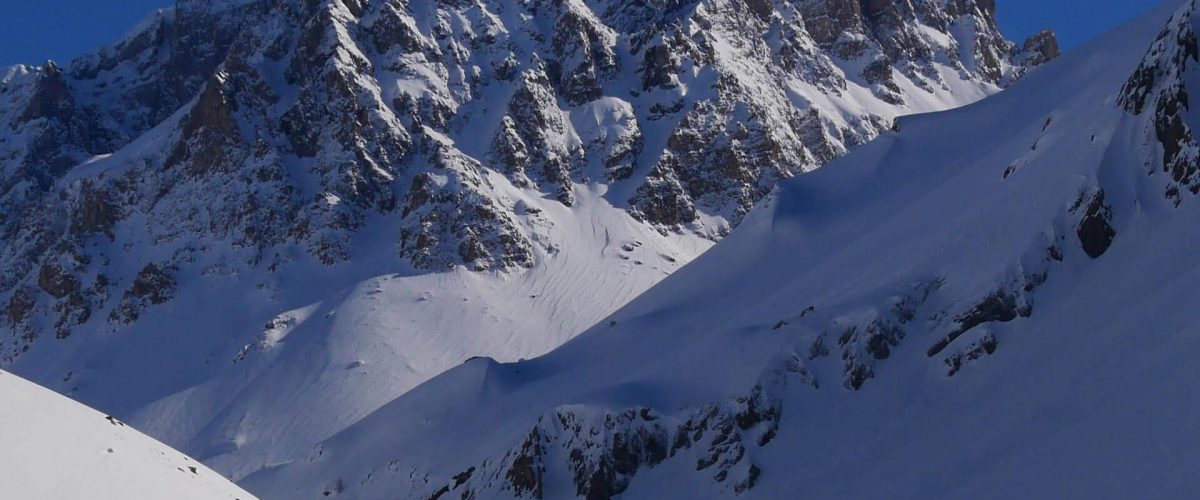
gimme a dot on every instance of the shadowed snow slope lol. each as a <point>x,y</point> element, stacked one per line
<point>55,448</point>
<point>991,302</point>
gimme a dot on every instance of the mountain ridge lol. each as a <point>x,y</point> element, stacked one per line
<point>1004,317</point>
<point>251,209</point>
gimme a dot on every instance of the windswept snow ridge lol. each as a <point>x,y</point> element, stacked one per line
<point>55,448</point>
<point>991,302</point>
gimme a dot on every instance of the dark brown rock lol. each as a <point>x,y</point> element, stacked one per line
<point>56,281</point>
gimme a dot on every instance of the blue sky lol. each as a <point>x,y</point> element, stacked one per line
<point>33,31</point>
<point>1075,21</point>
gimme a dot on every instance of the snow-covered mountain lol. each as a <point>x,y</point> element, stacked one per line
<point>250,223</point>
<point>55,448</point>
<point>990,302</point>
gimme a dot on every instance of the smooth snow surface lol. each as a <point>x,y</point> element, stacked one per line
<point>1090,391</point>
<point>55,448</point>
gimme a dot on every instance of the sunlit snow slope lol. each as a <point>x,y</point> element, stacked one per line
<point>54,448</point>
<point>992,302</point>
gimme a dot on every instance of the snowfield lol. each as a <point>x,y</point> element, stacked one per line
<point>992,302</point>
<point>54,448</point>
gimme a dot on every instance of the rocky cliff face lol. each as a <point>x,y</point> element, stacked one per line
<point>1161,86</point>
<point>273,125</point>
<point>257,146</point>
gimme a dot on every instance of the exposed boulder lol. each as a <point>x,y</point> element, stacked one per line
<point>154,284</point>
<point>1095,229</point>
<point>1041,47</point>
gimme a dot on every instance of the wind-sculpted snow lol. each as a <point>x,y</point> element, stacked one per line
<point>406,185</point>
<point>988,302</point>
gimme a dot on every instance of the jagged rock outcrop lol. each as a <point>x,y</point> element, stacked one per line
<point>1041,47</point>
<point>727,151</point>
<point>1161,85</point>
<point>602,451</point>
<point>533,136</point>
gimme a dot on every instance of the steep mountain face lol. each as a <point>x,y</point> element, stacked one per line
<point>57,448</point>
<point>250,209</point>
<point>988,302</point>
<point>1161,86</point>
